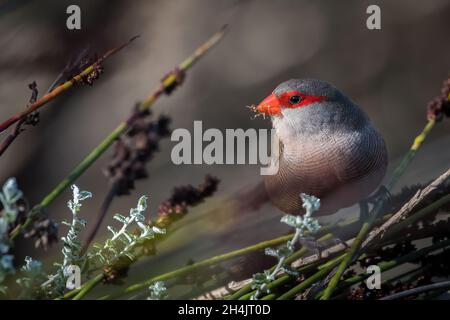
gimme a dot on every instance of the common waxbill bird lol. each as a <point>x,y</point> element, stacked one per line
<point>328,147</point>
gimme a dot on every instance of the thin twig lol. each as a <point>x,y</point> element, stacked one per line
<point>409,156</point>
<point>18,129</point>
<point>61,88</point>
<point>11,137</point>
<point>408,208</point>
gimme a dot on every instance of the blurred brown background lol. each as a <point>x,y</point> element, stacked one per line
<point>392,73</point>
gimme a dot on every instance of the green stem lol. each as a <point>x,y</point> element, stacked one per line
<point>279,281</point>
<point>407,159</point>
<point>346,261</point>
<point>243,292</point>
<point>88,287</point>
<point>77,172</point>
<point>312,279</point>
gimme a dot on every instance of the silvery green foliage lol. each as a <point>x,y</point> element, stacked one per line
<point>56,283</point>
<point>71,243</point>
<point>32,274</point>
<point>158,291</point>
<point>4,227</point>
<point>9,195</point>
<point>123,242</point>
<point>6,268</point>
<point>301,224</point>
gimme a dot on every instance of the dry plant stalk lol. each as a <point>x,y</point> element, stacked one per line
<point>61,88</point>
<point>407,209</point>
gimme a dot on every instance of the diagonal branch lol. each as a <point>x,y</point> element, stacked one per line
<point>408,208</point>
<point>61,88</point>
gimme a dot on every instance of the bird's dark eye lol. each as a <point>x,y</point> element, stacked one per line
<point>295,99</point>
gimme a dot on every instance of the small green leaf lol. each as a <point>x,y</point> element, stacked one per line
<point>84,195</point>
<point>120,218</point>
<point>142,204</point>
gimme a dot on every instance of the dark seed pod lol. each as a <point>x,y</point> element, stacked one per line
<point>134,149</point>
<point>439,107</point>
<point>185,196</point>
<point>44,232</point>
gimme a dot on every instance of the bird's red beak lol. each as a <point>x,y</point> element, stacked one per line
<point>270,106</point>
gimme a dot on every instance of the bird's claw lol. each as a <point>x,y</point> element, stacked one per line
<point>381,195</point>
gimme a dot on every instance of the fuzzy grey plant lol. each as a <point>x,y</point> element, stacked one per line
<point>10,194</point>
<point>301,224</point>
<point>32,276</point>
<point>6,268</point>
<point>71,243</point>
<point>4,226</point>
<point>32,269</point>
<point>123,241</point>
<point>158,291</point>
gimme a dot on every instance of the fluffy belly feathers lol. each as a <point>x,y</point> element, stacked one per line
<point>341,169</point>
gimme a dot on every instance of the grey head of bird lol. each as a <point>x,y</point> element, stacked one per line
<point>311,107</point>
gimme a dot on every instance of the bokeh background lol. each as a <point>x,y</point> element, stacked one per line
<point>392,73</point>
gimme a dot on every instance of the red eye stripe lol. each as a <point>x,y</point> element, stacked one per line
<point>305,99</point>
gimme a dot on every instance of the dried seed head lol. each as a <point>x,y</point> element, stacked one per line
<point>134,149</point>
<point>184,196</point>
<point>44,232</point>
<point>93,75</point>
<point>439,107</point>
<point>32,118</point>
<point>112,275</point>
